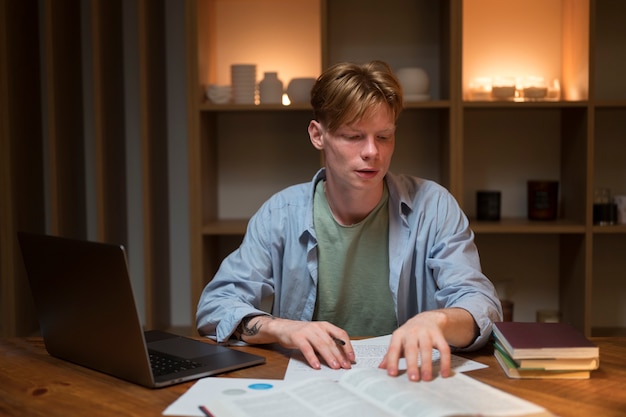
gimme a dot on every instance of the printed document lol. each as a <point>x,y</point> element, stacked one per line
<point>372,393</point>
<point>369,353</point>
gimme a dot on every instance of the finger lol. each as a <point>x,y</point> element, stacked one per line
<point>392,357</point>
<point>335,357</point>
<point>332,355</point>
<point>445,360</point>
<point>348,353</point>
<point>383,363</point>
<point>311,357</point>
<point>426,368</point>
<point>411,355</point>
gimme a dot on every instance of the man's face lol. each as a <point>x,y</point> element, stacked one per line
<point>357,156</point>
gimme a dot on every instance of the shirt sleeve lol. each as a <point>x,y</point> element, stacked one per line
<point>240,287</point>
<point>455,265</point>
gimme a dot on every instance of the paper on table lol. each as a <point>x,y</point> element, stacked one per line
<point>213,388</point>
<point>369,353</point>
<point>371,393</point>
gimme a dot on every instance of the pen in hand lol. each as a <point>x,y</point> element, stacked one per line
<point>339,342</point>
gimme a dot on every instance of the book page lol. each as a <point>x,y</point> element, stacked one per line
<point>458,395</point>
<point>372,393</point>
<point>315,397</point>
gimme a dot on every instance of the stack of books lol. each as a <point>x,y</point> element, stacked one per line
<point>544,350</point>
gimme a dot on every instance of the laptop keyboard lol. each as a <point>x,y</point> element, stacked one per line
<point>163,364</point>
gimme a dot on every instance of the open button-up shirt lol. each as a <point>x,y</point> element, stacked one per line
<point>433,261</point>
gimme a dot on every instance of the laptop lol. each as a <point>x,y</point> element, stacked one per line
<point>87,315</point>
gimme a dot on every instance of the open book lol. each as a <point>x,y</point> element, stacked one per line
<point>372,393</point>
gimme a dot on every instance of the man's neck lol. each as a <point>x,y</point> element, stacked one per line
<point>352,206</point>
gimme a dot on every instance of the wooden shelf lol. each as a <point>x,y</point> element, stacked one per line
<point>225,227</point>
<point>524,226</point>
<point>469,145</point>
<point>524,104</point>
<point>210,107</point>
<point>610,103</point>
<point>431,104</point>
<point>612,229</point>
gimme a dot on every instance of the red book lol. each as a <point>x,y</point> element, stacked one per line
<point>523,340</point>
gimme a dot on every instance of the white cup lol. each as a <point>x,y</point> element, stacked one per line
<point>620,201</point>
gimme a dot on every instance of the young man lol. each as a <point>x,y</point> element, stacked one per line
<point>358,251</point>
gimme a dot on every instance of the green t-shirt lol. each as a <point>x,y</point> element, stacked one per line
<point>353,270</point>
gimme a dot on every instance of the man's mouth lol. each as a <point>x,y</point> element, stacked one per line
<point>367,172</point>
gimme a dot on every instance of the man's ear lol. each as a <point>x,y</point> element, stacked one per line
<point>316,135</point>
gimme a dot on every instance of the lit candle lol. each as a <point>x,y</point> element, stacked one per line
<point>535,88</point>
<point>503,88</point>
<point>480,88</point>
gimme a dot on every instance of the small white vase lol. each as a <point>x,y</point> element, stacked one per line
<point>270,89</point>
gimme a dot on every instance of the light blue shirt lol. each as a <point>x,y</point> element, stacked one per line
<point>433,261</point>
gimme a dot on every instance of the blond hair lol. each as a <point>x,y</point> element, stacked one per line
<point>345,92</point>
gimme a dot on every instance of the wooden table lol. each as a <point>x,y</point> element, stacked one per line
<point>32,383</point>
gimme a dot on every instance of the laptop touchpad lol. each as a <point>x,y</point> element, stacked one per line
<point>185,348</point>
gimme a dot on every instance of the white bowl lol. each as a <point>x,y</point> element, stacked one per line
<point>299,90</point>
<point>219,94</point>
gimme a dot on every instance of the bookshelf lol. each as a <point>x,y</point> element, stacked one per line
<point>567,264</point>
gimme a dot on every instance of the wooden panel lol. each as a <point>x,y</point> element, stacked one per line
<point>154,162</point>
<point>574,163</point>
<point>575,50</point>
<point>194,67</point>
<point>575,282</point>
<point>109,120</point>
<point>454,143</point>
<point>65,128</point>
<point>21,167</point>
<point>608,39</point>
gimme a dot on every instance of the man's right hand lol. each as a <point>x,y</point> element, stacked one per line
<point>317,340</point>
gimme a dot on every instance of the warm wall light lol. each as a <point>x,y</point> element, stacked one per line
<point>480,88</point>
<point>529,88</point>
<point>497,41</point>
<point>268,33</point>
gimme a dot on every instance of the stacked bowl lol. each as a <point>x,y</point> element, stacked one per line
<point>243,82</point>
<point>219,94</point>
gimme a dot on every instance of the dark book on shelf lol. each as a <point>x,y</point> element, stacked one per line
<point>533,340</point>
